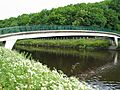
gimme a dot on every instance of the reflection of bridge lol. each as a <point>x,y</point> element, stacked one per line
<point>100,69</point>
<point>11,34</point>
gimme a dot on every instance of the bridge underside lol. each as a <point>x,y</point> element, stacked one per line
<point>12,38</point>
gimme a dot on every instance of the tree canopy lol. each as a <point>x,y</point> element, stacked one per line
<point>104,14</point>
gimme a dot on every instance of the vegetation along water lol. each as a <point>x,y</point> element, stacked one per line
<point>19,73</point>
<point>67,43</point>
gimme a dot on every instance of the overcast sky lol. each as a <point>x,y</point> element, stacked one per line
<point>13,8</point>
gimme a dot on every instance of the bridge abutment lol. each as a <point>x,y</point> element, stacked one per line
<point>10,43</point>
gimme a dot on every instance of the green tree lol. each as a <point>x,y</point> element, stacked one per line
<point>81,18</point>
<point>23,19</point>
<point>112,19</point>
<point>115,5</point>
<point>56,19</point>
<point>13,21</point>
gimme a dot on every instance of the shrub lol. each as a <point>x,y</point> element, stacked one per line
<point>19,73</point>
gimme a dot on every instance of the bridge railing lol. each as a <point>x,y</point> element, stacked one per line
<point>51,27</point>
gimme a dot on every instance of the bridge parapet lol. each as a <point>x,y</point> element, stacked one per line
<point>17,29</point>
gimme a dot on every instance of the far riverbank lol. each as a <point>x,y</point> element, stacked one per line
<point>82,43</point>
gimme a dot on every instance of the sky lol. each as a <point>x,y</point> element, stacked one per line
<point>14,8</point>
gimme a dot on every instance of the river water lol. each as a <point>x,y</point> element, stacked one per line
<point>99,68</point>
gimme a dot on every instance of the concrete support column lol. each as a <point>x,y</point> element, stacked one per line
<point>10,43</point>
<point>116,41</point>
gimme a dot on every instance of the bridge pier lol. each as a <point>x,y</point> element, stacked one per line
<point>10,43</point>
<point>116,41</point>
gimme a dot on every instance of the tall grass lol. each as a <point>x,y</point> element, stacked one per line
<point>19,73</point>
<point>70,43</point>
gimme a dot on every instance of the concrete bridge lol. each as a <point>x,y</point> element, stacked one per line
<point>12,34</point>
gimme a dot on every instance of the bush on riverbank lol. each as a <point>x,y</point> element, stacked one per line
<point>19,73</point>
<point>70,43</point>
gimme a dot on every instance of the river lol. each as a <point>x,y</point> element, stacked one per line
<point>99,68</point>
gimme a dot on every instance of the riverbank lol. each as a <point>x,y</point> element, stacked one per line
<point>17,72</point>
<point>82,43</point>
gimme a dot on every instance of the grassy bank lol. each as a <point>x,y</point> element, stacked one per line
<point>19,73</point>
<point>67,43</point>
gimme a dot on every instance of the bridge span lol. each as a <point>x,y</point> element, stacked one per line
<point>12,34</point>
<point>12,38</point>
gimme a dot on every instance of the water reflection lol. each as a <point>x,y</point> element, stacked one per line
<point>116,58</point>
<point>98,67</point>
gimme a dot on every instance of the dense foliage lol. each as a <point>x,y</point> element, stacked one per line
<point>19,73</point>
<point>67,43</point>
<point>103,14</point>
